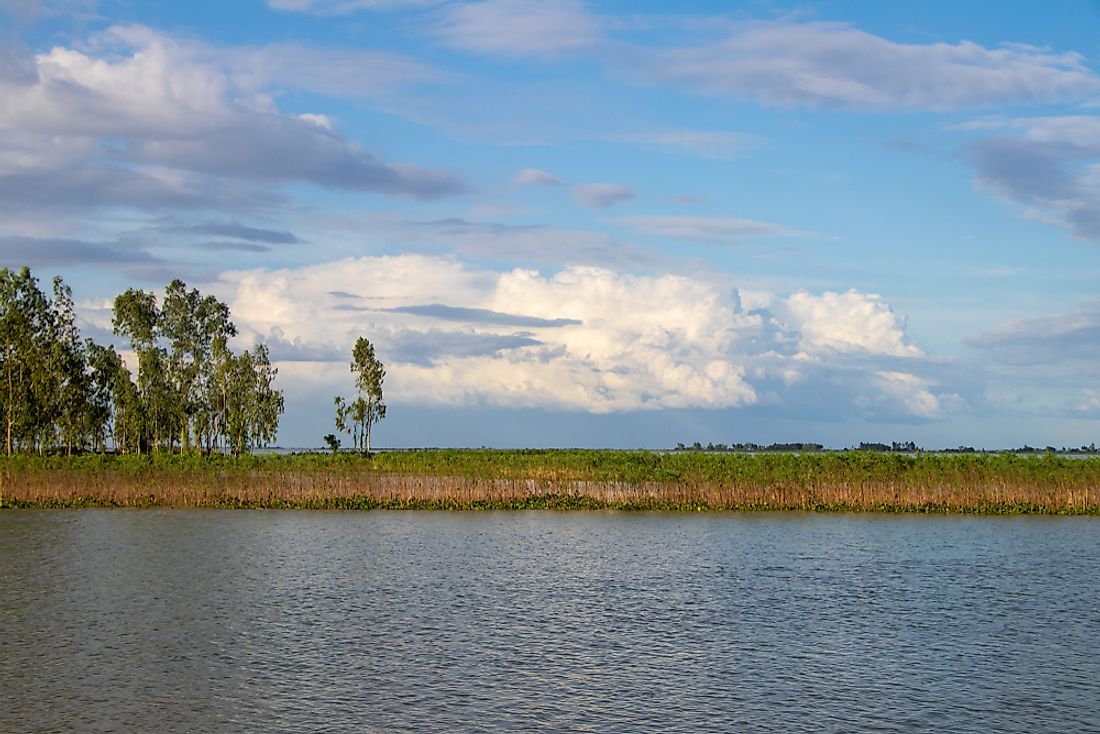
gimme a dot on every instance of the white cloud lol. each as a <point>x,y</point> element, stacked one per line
<point>152,122</point>
<point>602,195</point>
<point>847,322</point>
<point>518,28</point>
<point>825,64</point>
<point>912,393</point>
<point>535,177</point>
<point>581,339</point>
<point>708,229</point>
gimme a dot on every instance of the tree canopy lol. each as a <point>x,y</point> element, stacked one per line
<point>358,416</point>
<point>191,391</point>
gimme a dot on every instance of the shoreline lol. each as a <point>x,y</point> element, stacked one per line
<point>562,480</point>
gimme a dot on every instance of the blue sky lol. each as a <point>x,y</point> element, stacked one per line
<point>589,224</point>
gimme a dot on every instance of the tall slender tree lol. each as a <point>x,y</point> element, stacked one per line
<point>29,364</point>
<point>137,317</point>
<point>67,379</point>
<point>191,323</point>
<point>359,416</point>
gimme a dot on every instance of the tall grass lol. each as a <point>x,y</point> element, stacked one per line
<point>470,479</point>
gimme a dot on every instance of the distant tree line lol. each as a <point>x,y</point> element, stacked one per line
<point>191,392</point>
<point>751,447</point>
<point>906,447</point>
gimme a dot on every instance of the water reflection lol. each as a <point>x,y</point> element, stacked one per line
<point>180,621</point>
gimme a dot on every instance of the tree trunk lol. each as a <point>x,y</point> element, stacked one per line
<point>11,409</point>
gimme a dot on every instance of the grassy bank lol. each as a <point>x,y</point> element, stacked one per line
<point>471,479</point>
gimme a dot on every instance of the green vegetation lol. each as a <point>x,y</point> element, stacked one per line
<point>192,392</point>
<point>367,409</point>
<point>626,480</point>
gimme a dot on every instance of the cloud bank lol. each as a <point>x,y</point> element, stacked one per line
<point>584,338</point>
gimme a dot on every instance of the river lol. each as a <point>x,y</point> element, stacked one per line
<point>271,621</point>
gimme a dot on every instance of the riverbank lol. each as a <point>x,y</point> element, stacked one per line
<point>563,480</point>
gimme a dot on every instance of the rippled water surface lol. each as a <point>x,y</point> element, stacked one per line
<point>211,621</point>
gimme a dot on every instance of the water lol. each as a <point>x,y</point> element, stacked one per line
<point>240,621</point>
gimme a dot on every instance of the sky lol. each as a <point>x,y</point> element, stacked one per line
<point>591,224</point>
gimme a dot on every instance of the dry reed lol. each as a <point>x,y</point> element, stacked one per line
<point>325,487</point>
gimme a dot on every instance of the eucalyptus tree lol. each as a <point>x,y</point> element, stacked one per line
<point>129,432</point>
<point>66,378</point>
<point>102,404</point>
<point>252,405</point>
<point>369,375</point>
<point>24,328</point>
<point>137,317</point>
<point>57,390</point>
<point>192,323</point>
<point>360,415</point>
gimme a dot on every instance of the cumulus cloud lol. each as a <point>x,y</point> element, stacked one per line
<point>707,229</point>
<point>150,122</point>
<point>584,338</point>
<point>824,64</point>
<point>1050,168</point>
<point>848,322</point>
<point>518,28</point>
<point>601,195</point>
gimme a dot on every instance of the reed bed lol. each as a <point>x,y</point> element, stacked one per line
<point>849,481</point>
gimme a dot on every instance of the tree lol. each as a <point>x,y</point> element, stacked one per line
<point>136,317</point>
<point>332,442</point>
<point>369,375</point>
<point>253,407</point>
<point>191,387</point>
<point>192,323</point>
<point>101,415</point>
<point>59,391</point>
<point>24,325</point>
<point>67,378</point>
<point>359,416</point>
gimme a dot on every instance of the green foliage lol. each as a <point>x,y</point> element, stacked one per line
<point>368,408</point>
<point>61,393</point>
<point>49,397</point>
<point>192,391</point>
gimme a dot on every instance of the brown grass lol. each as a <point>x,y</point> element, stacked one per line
<point>368,490</point>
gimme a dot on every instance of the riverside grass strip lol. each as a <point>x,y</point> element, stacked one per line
<point>563,480</point>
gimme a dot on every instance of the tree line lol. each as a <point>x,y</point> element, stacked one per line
<point>191,392</point>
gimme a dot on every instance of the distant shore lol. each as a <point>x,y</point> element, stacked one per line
<point>562,480</point>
